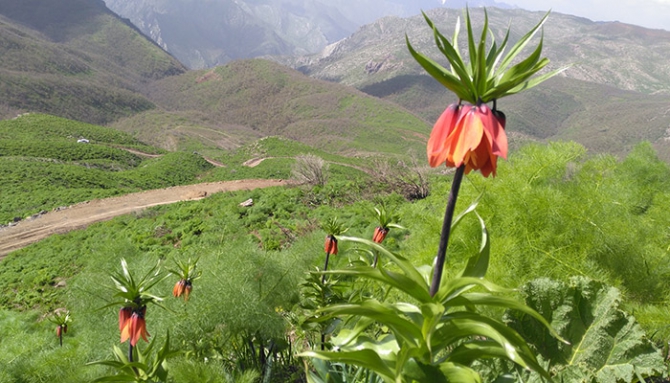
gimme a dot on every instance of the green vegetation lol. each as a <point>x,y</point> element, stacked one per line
<point>42,166</point>
<point>250,99</point>
<point>552,212</point>
<point>75,59</point>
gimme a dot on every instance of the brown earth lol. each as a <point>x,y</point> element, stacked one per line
<point>83,214</point>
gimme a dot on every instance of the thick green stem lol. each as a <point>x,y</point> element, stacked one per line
<point>130,352</point>
<point>446,230</point>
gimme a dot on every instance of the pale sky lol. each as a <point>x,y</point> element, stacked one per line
<point>646,13</point>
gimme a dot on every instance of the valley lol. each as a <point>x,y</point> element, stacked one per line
<point>168,177</point>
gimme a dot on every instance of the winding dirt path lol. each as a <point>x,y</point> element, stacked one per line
<point>83,214</point>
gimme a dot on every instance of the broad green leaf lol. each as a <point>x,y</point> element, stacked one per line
<point>405,330</point>
<point>424,373</point>
<point>346,336</point>
<point>458,373</point>
<point>464,325</point>
<point>606,344</point>
<point>432,314</point>
<point>399,281</point>
<point>452,288</point>
<point>478,264</point>
<point>386,347</point>
<point>405,266</point>
<point>364,358</point>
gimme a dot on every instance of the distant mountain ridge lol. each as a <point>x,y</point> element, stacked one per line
<point>204,34</point>
<point>610,53</point>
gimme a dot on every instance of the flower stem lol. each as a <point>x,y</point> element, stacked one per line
<point>446,230</point>
<point>130,352</point>
<point>325,267</point>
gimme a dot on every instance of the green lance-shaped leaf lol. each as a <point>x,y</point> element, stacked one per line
<point>457,286</point>
<point>518,47</point>
<point>606,344</point>
<point>363,358</point>
<point>478,264</point>
<point>465,325</point>
<point>406,331</point>
<point>490,73</point>
<point>393,279</point>
<point>404,265</point>
<point>441,74</point>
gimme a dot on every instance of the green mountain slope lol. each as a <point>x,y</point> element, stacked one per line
<point>253,98</point>
<point>602,118</point>
<point>76,59</point>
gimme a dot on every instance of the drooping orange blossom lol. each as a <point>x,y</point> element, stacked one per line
<point>330,245</point>
<point>473,135</point>
<point>133,326</point>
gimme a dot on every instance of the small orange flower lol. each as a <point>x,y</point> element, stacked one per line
<point>380,234</point>
<point>135,327</point>
<point>178,289</point>
<point>59,330</point>
<point>473,135</point>
<point>330,246</point>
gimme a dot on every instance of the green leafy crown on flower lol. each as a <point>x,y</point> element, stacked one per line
<point>133,292</point>
<point>186,270</point>
<point>333,226</point>
<point>491,74</point>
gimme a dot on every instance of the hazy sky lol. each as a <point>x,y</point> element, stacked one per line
<point>647,13</point>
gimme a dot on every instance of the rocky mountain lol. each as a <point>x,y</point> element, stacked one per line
<point>76,59</point>
<point>609,53</point>
<point>205,33</point>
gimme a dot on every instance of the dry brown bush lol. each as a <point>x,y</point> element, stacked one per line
<point>408,180</point>
<point>310,169</point>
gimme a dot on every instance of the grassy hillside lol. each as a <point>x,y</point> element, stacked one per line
<point>42,166</point>
<point>261,98</point>
<point>553,211</point>
<point>602,118</point>
<point>75,59</point>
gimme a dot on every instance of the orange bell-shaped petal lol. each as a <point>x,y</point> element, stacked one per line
<point>380,234</point>
<point>437,143</point>
<point>124,315</point>
<point>470,135</point>
<point>330,245</point>
<point>178,289</point>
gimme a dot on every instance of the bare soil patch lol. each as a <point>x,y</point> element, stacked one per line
<point>83,214</point>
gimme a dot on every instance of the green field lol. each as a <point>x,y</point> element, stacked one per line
<point>553,211</point>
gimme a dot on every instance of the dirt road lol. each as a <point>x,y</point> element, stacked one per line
<point>83,214</point>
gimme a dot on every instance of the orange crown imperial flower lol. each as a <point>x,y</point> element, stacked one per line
<point>330,245</point>
<point>178,289</point>
<point>135,327</point>
<point>380,234</point>
<point>473,135</point>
